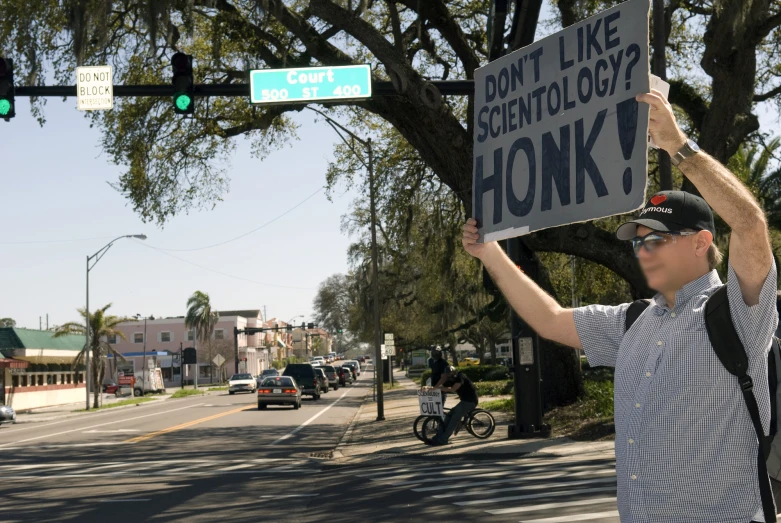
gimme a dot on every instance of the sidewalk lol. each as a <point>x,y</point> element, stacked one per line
<point>367,438</point>
<point>70,410</point>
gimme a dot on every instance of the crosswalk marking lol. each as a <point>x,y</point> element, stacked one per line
<point>547,490</point>
<point>545,506</point>
<point>575,517</point>
<point>542,486</point>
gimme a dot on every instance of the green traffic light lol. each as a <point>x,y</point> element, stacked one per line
<point>183,102</point>
<point>5,107</point>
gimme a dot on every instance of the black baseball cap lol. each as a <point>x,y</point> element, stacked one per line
<point>668,211</point>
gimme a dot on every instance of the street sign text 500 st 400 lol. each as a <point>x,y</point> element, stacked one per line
<point>268,86</point>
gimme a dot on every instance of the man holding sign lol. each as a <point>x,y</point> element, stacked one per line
<point>686,449</point>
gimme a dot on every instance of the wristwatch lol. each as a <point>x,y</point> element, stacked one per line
<point>689,149</point>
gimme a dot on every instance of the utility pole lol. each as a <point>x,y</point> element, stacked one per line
<point>181,365</point>
<point>236,349</point>
<point>660,70</point>
<point>376,286</point>
<point>527,373</point>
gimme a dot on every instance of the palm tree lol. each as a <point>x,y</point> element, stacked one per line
<point>102,327</point>
<point>200,316</point>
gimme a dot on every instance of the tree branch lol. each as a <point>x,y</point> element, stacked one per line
<point>764,28</point>
<point>768,95</point>
<point>684,96</point>
<point>438,15</point>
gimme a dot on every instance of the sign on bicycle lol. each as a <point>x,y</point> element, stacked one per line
<point>430,402</point>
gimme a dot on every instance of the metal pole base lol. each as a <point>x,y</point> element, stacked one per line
<point>528,432</point>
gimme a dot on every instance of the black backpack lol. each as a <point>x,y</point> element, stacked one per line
<point>728,347</point>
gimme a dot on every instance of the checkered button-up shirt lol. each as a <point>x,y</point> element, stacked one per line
<point>686,450</point>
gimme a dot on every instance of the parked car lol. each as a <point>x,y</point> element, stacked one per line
<point>348,365</point>
<point>279,390</point>
<point>323,379</point>
<point>333,377</point>
<point>242,383</point>
<point>7,415</point>
<point>470,362</point>
<point>305,377</point>
<point>110,386</point>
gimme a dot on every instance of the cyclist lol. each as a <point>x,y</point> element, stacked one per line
<point>455,382</point>
<point>438,366</point>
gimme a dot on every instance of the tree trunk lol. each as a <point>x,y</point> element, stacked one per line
<point>97,381</point>
<point>492,345</point>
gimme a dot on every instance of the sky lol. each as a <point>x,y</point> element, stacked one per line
<point>57,207</point>
<point>56,193</point>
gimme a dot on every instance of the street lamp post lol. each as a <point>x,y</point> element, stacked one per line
<point>96,257</point>
<point>336,126</point>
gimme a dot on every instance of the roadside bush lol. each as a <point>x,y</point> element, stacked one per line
<point>485,372</point>
<point>494,388</point>
<point>423,377</point>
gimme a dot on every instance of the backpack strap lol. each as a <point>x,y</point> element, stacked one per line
<point>732,354</point>
<point>634,311</point>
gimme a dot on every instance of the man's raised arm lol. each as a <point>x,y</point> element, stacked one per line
<point>750,252</point>
<point>549,319</point>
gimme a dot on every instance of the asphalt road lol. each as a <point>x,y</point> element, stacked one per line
<point>217,458</point>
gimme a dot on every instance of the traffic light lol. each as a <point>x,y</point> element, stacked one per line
<point>339,331</point>
<point>7,109</point>
<point>184,97</point>
<point>310,325</point>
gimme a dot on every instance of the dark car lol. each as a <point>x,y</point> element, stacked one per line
<point>333,377</point>
<point>305,377</point>
<point>353,368</point>
<point>279,390</point>
<point>7,415</point>
<point>348,375</point>
<point>323,379</point>
<point>344,375</point>
<point>361,359</point>
<point>268,373</point>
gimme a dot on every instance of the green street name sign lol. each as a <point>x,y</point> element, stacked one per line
<point>309,84</point>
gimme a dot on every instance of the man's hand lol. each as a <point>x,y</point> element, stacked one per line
<point>469,240</point>
<point>661,124</point>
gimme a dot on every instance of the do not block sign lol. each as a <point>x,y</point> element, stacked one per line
<point>430,402</point>
<point>559,136</point>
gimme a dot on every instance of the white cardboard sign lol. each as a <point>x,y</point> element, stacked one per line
<point>430,402</point>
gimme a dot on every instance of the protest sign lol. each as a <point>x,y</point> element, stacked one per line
<point>430,402</point>
<point>559,137</point>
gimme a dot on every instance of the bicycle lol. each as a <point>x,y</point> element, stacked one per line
<point>478,422</point>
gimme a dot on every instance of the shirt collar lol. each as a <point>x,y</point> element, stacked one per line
<point>691,289</point>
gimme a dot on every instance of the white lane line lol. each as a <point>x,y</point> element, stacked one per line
<point>553,494</point>
<point>110,431</point>
<point>81,429</point>
<point>37,466</point>
<point>122,500</point>
<point>546,506</point>
<point>542,486</point>
<point>239,466</point>
<point>518,474</point>
<point>574,517</point>
<point>515,480</point>
<point>307,422</point>
<point>290,496</point>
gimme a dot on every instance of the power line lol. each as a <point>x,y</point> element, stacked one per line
<point>161,251</point>
<point>299,204</point>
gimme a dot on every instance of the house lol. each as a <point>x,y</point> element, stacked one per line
<point>37,369</point>
<point>161,339</point>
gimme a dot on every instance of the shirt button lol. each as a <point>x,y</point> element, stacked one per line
<point>672,315</point>
<point>659,343</point>
<point>633,477</point>
<point>637,405</point>
<point>631,441</point>
<point>647,374</point>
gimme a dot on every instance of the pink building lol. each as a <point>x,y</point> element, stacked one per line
<point>166,336</point>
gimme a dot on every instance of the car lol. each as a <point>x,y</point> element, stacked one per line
<point>470,362</point>
<point>323,379</point>
<point>349,365</point>
<point>318,360</point>
<point>361,359</point>
<point>344,375</point>
<point>355,365</point>
<point>347,374</point>
<point>279,390</point>
<point>269,373</point>
<point>305,377</point>
<point>242,383</point>
<point>110,386</point>
<point>7,415</point>
<point>333,377</point>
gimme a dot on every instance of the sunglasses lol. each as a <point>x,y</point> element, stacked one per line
<point>654,240</point>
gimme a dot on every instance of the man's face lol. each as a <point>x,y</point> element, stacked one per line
<point>671,263</point>
<point>437,354</point>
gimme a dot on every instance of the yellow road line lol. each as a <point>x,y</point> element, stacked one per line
<point>185,425</point>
